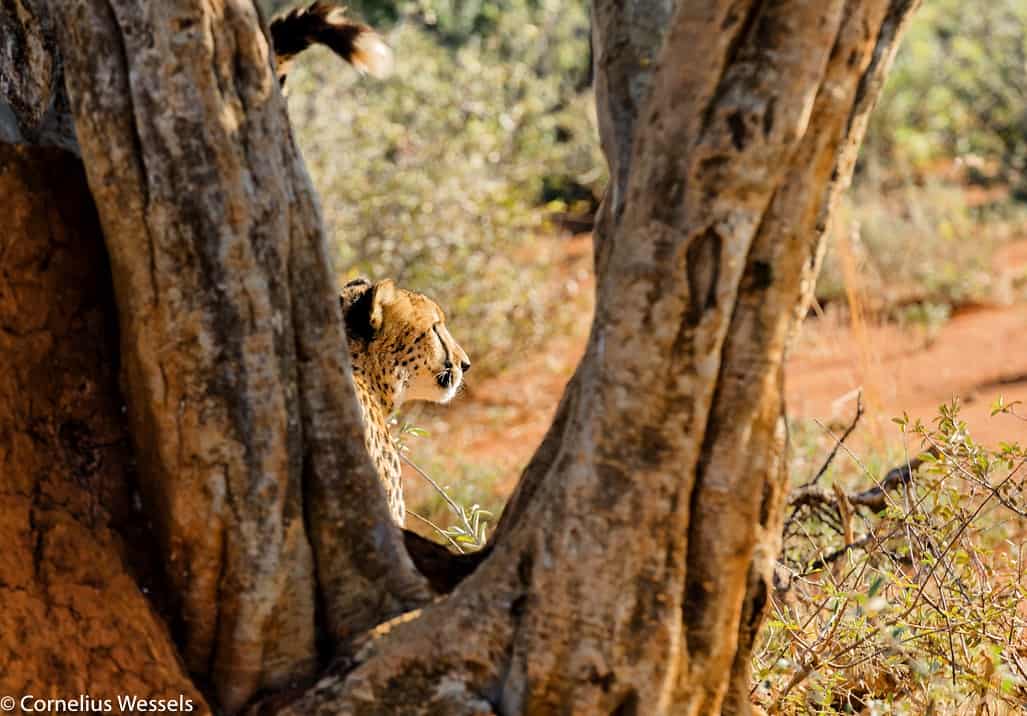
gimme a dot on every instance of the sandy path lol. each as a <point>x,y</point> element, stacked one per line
<point>976,357</point>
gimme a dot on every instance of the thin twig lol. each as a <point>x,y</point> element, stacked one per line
<point>457,509</point>
<point>437,529</point>
<point>840,441</point>
<point>438,488</point>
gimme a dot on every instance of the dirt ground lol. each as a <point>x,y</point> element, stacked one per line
<point>976,356</point>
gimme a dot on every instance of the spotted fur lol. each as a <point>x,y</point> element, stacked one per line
<point>401,350</point>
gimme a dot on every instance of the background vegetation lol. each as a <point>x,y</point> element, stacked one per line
<point>447,175</point>
<point>457,176</point>
<point>943,169</point>
<point>444,175</point>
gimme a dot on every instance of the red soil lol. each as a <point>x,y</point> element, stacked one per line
<point>976,356</point>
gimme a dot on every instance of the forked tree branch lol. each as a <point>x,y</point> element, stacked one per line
<point>670,427</point>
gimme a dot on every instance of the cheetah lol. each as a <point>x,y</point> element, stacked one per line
<point>401,350</point>
<point>325,23</point>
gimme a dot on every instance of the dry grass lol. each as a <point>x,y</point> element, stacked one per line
<point>911,249</point>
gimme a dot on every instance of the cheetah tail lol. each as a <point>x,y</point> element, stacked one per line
<point>324,23</point>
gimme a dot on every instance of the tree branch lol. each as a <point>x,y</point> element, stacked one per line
<point>874,498</point>
<point>840,441</point>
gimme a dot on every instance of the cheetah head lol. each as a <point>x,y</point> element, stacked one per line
<point>399,341</point>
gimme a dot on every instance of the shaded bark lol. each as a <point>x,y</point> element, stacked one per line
<point>33,103</point>
<point>626,42</point>
<point>77,563</point>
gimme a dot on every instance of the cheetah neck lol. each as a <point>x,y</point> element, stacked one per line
<point>383,387</point>
<point>375,410</point>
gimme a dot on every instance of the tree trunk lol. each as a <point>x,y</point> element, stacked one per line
<point>241,405</point>
<point>266,508</point>
<point>628,574</point>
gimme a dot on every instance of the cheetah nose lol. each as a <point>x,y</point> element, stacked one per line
<point>465,365</point>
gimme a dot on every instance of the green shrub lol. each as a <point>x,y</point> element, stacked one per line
<point>550,36</point>
<point>908,601</point>
<point>911,244</point>
<point>952,110</point>
<point>957,89</point>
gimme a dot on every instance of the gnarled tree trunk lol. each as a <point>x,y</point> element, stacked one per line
<point>629,571</point>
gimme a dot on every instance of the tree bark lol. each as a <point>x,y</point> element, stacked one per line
<point>241,404</point>
<point>791,241</point>
<point>33,103</point>
<point>628,573</point>
<point>234,361</point>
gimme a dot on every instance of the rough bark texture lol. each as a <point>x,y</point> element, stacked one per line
<point>626,41</point>
<point>790,243</point>
<point>76,562</point>
<point>33,104</point>
<point>241,407</point>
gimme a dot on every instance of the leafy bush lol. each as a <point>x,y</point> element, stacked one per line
<point>957,90</point>
<point>904,597</point>
<point>952,109</point>
<point>911,244</point>
<point>547,35</point>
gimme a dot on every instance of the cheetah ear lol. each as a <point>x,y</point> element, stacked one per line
<point>363,307</point>
<point>355,300</point>
<point>352,292</point>
<point>382,294</point>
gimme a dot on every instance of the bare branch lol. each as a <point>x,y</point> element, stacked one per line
<point>874,498</point>
<point>840,441</point>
